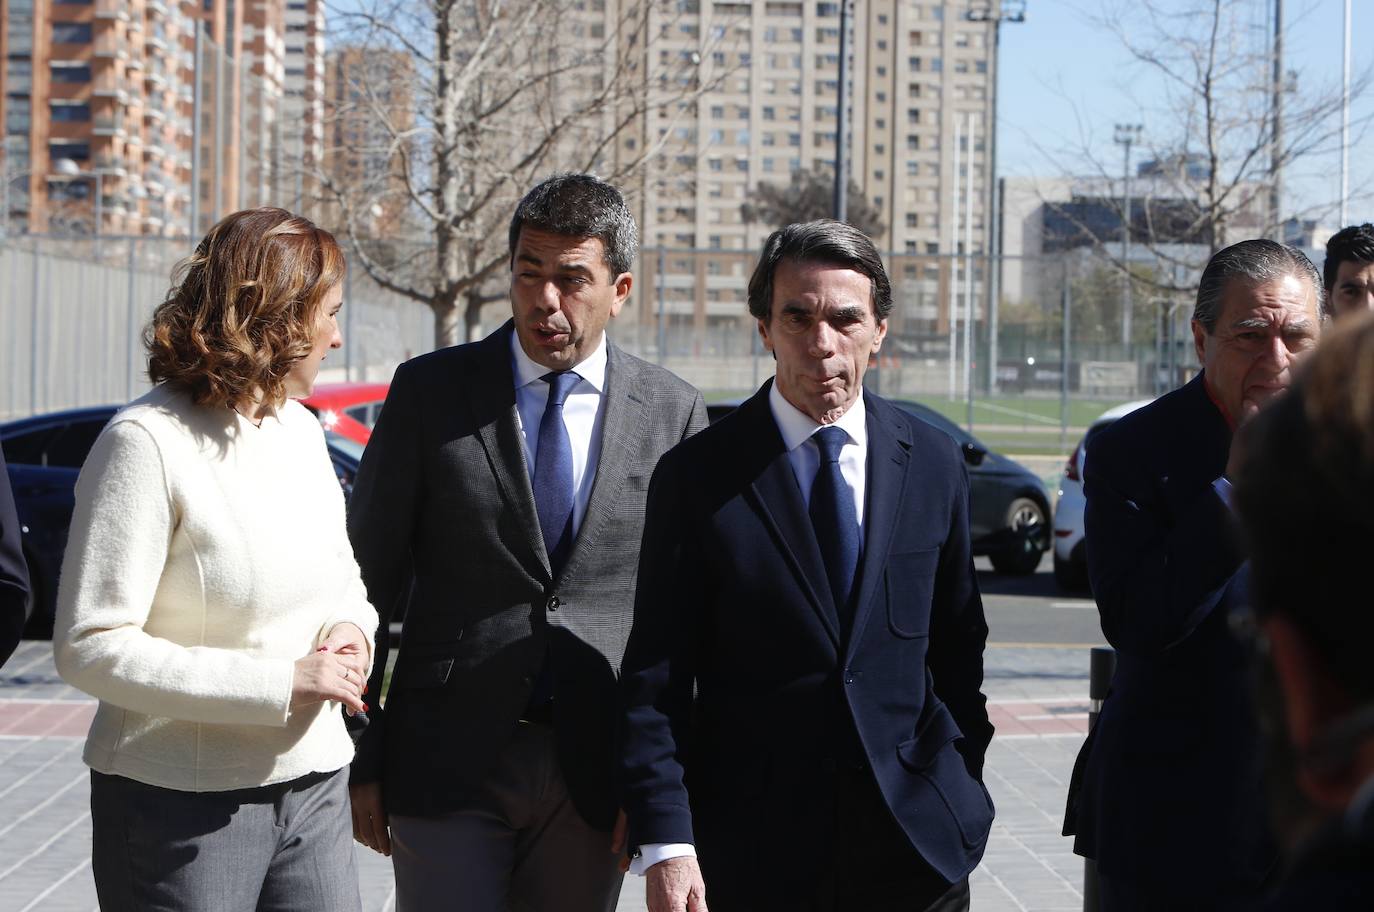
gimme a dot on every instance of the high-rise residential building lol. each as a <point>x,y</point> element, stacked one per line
<point>91,102</point>
<point>103,93</point>
<point>919,95</point>
<point>369,98</point>
<point>302,146</point>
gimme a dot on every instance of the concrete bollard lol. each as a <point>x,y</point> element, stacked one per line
<point>1101,667</point>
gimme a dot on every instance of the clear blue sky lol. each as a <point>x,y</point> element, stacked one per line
<point>1066,80</point>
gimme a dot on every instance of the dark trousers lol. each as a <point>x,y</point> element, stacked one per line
<point>876,869</point>
<point>520,845</point>
<point>866,864</point>
<point>277,848</point>
<point>1129,896</point>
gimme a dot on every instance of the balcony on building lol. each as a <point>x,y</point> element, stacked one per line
<point>112,9</point>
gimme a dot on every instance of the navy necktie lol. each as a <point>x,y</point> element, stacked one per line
<point>835,518</point>
<point>553,472</point>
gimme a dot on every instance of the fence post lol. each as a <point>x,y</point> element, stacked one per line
<point>1101,667</point>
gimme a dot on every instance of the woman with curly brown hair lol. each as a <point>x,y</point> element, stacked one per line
<point>209,596</point>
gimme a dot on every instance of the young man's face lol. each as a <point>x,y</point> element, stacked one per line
<point>1353,292</point>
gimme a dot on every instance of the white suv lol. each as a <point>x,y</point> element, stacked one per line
<point>1070,566</point>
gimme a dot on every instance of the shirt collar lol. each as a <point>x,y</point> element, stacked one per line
<point>797,427</point>
<point>592,369</point>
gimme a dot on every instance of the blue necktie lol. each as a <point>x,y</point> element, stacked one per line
<point>553,472</point>
<point>836,519</point>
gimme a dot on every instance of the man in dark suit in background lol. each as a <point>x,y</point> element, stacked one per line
<point>802,683</point>
<point>501,499</point>
<point>1348,272</point>
<point>1303,493</point>
<point>14,571</point>
<point>1167,795</point>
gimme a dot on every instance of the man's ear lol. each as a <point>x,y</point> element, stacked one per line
<point>1312,700</point>
<point>1200,342</point>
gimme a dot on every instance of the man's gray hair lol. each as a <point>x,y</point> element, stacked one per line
<point>1253,262</point>
<point>580,206</point>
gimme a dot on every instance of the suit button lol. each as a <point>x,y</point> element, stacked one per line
<point>553,603</point>
<point>851,675</point>
<point>528,680</point>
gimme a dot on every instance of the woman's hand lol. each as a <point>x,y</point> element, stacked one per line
<point>324,675</point>
<point>347,641</point>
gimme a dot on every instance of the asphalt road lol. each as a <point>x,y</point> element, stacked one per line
<point>1030,611</point>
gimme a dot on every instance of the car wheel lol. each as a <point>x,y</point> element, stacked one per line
<point>1070,576</point>
<point>1026,520</point>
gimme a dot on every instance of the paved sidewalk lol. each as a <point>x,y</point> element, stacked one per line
<point>1037,701</point>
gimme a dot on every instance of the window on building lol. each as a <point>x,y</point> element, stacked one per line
<point>980,66</point>
<point>718,111</point>
<point>827,9</point>
<point>76,151</point>
<point>17,116</point>
<point>882,18</point>
<point>913,142</point>
<point>794,139</point>
<point>879,149</point>
<point>937,65</point>
<point>64,111</point>
<point>882,44</point>
<point>914,64</point>
<point>880,123</point>
<point>913,116</point>
<point>71,33</point>
<point>768,164</point>
<point>70,71</point>
<point>770,113</point>
<point>741,137</point>
<point>880,97</point>
<point>879,174</point>
<point>911,247</point>
<point>912,220</point>
<point>913,90</point>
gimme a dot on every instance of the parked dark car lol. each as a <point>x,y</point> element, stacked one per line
<point>44,454</point>
<point>1009,507</point>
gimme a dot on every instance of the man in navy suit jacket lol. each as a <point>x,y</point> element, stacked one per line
<point>804,727</point>
<point>1167,792</point>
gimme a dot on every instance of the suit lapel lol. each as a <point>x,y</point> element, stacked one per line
<point>490,393</point>
<point>889,457</point>
<point>780,504</point>
<point>623,425</point>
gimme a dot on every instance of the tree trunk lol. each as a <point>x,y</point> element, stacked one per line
<point>472,314</point>
<point>446,317</point>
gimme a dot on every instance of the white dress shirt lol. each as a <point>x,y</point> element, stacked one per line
<point>797,430</point>
<point>582,416</point>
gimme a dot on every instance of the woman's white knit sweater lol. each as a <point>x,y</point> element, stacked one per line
<point>206,556</point>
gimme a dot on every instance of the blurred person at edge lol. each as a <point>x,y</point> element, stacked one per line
<point>1348,272</point>
<point>1167,794</point>
<point>14,572</point>
<point>209,596</point>
<point>1303,495</point>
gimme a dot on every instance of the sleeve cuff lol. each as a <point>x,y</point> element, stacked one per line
<point>652,854</point>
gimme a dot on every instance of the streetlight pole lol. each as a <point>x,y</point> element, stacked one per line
<point>842,119</point>
<point>1345,118</point>
<point>1125,135</point>
<point>1005,11</point>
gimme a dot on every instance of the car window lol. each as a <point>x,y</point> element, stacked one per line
<point>73,443</point>
<point>365,414</point>
<point>28,447</point>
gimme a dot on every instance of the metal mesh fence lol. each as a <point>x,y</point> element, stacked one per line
<point>73,310</point>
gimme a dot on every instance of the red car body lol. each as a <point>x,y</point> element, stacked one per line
<point>348,409</point>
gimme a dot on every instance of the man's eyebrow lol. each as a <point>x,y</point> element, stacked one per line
<point>1252,323</point>
<point>530,258</point>
<point>848,313</point>
<point>794,308</point>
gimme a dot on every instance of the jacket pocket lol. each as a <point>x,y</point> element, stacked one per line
<point>910,580</point>
<point>933,756</point>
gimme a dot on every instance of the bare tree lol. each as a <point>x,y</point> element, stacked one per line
<point>1219,139</point>
<point>807,196</point>
<point>452,109</point>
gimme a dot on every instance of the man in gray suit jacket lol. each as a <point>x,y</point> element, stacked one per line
<point>501,501</point>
